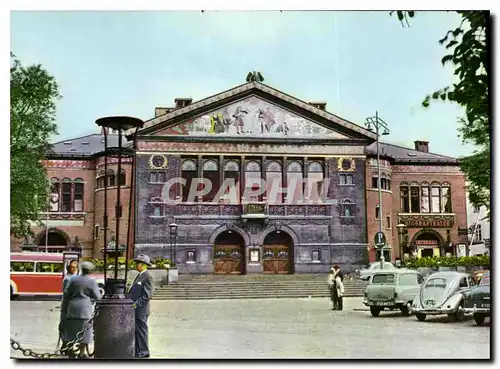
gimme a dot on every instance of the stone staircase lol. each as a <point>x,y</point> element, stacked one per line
<point>200,287</point>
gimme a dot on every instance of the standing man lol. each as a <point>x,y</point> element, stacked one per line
<point>140,292</point>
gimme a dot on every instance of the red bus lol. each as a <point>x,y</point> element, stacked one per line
<point>39,273</point>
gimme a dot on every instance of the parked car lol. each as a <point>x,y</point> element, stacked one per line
<point>477,300</point>
<point>442,293</point>
<point>366,273</point>
<point>392,289</point>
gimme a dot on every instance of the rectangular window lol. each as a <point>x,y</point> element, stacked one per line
<point>66,197</point>
<point>346,180</point>
<point>415,199</point>
<point>377,212</point>
<point>316,256</point>
<point>425,200</point>
<point>405,201</point>
<point>20,266</point>
<point>121,178</point>
<point>294,187</point>
<point>188,176</point>
<point>445,200</point>
<point>161,177</point>
<point>213,178</point>
<point>435,199</point>
<point>78,197</point>
<point>232,189</point>
<point>273,190</point>
<point>96,232</point>
<point>374,182</point>
<point>383,279</point>
<point>153,177</point>
<point>408,280</point>
<point>388,222</point>
<point>313,188</point>
<point>191,256</point>
<point>384,183</point>
<point>54,197</point>
<point>157,210</point>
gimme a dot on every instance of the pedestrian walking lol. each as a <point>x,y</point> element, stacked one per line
<point>140,292</point>
<point>333,288</point>
<point>77,307</point>
<point>339,286</point>
<point>71,271</point>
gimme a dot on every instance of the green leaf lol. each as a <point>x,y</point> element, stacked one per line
<point>446,59</point>
<point>411,13</point>
<point>400,15</point>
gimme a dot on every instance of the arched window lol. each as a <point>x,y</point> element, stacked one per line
<point>314,181</point>
<point>388,181</point>
<point>253,181</point>
<point>232,180</point>
<point>425,197</point>
<point>66,195</point>
<point>78,195</point>
<point>55,193</point>
<point>346,207</point>
<point>375,180</point>
<point>294,180</point>
<point>189,171</point>
<point>211,173</point>
<point>446,198</point>
<point>122,177</point>
<point>274,182</point>
<point>111,178</point>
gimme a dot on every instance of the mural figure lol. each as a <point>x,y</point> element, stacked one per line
<point>238,120</point>
<point>252,116</point>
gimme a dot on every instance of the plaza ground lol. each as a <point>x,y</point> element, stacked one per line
<point>275,328</point>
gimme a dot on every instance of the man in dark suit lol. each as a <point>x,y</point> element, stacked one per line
<point>140,292</point>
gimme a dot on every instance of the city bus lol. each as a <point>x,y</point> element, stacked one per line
<point>40,274</point>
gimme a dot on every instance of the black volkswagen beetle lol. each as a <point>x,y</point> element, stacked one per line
<point>477,300</point>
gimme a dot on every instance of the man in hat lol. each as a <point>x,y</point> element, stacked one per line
<point>140,292</point>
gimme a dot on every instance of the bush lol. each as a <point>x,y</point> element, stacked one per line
<point>447,261</point>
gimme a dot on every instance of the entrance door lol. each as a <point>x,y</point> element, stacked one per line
<point>229,253</point>
<point>276,260</point>
<point>277,253</point>
<point>228,259</point>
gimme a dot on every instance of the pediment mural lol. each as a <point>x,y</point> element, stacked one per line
<point>252,117</point>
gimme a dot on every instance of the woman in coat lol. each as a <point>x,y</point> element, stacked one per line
<point>71,271</point>
<point>339,286</point>
<point>333,288</point>
<point>77,308</point>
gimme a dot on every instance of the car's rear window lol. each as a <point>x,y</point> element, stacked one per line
<point>436,283</point>
<point>383,279</point>
<point>485,281</point>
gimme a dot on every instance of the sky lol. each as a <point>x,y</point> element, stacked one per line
<point>359,62</point>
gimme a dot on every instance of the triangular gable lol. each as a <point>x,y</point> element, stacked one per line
<point>251,117</point>
<point>182,118</point>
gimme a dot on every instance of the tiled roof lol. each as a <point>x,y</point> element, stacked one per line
<point>404,154</point>
<point>84,146</point>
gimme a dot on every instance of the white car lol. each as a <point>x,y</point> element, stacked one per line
<point>366,273</point>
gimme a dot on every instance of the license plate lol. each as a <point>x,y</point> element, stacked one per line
<point>383,303</point>
<point>485,306</point>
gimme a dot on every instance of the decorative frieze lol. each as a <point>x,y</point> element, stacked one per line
<point>70,164</point>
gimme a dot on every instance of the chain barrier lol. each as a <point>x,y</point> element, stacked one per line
<point>70,349</point>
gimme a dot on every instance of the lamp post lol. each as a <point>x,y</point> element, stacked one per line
<point>400,227</point>
<point>115,324</point>
<point>173,227</point>
<point>379,125</point>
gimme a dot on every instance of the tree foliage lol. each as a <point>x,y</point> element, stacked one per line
<point>33,94</point>
<point>467,51</point>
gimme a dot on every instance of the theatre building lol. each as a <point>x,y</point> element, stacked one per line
<point>423,201</point>
<point>246,134</point>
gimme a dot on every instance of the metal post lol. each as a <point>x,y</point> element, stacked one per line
<point>115,324</point>
<point>381,213</point>
<point>47,227</point>
<point>118,207</point>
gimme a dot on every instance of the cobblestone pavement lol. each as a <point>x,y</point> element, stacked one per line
<point>275,328</point>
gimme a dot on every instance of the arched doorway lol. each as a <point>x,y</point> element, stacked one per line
<point>54,242</point>
<point>229,253</point>
<point>278,253</point>
<point>428,243</point>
